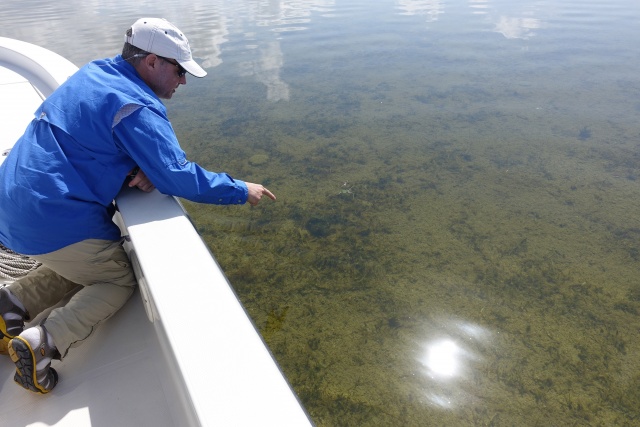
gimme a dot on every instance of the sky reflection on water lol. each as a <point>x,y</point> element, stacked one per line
<point>214,28</point>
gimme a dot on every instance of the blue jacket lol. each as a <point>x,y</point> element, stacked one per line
<point>59,180</point>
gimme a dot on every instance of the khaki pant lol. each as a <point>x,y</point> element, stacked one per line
<point>103,270</point>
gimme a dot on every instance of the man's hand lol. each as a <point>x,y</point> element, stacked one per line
<point>141,181</point>
<point>256,191</point>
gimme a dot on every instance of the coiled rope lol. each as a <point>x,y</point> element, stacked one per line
<point>14,265</point>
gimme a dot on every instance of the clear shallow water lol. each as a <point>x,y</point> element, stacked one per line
<point>455,240</point>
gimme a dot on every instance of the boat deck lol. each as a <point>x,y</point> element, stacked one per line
<point>117,378</point>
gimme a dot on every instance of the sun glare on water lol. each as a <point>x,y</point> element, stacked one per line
<point>443,359</point>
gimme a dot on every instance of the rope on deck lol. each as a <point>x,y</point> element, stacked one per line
<point>13,265</point>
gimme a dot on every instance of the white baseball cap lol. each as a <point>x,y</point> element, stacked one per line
<point>161,37</point>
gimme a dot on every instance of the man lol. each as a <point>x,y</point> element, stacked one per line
<point>104,126</point>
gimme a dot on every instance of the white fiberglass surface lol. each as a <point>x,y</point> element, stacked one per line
<point>117,378</point>
<point>16,114</point>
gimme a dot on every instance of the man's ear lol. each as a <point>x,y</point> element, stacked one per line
<point>147,66</point>
<point>151,60</point>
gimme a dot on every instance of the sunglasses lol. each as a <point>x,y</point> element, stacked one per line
<point>181,71</point>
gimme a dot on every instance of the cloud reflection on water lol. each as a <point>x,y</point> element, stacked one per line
<point>266,70</point>
<point>517,28</point>
<point>429,8</point>
<point>512,25</point>
<point>211,27</point>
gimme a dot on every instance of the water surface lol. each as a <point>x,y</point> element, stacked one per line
<point>456,238</point>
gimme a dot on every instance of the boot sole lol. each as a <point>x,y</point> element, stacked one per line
<point>22,355</point>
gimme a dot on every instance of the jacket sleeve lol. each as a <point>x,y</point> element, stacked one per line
<point>148,138</point>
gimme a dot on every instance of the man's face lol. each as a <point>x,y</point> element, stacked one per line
<point>165,76</point>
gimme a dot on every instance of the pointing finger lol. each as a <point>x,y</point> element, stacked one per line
<point>268,193</point>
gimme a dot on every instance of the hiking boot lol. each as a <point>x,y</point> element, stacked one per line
<point>32,352</point>
<point>11,319</point>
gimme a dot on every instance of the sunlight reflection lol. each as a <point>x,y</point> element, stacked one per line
<point>450,359</point>
<point>443,358</point>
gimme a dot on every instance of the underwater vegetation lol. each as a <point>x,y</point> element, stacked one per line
<point>584,134</point>
<point>342,284</point>
<point>390,228</point>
